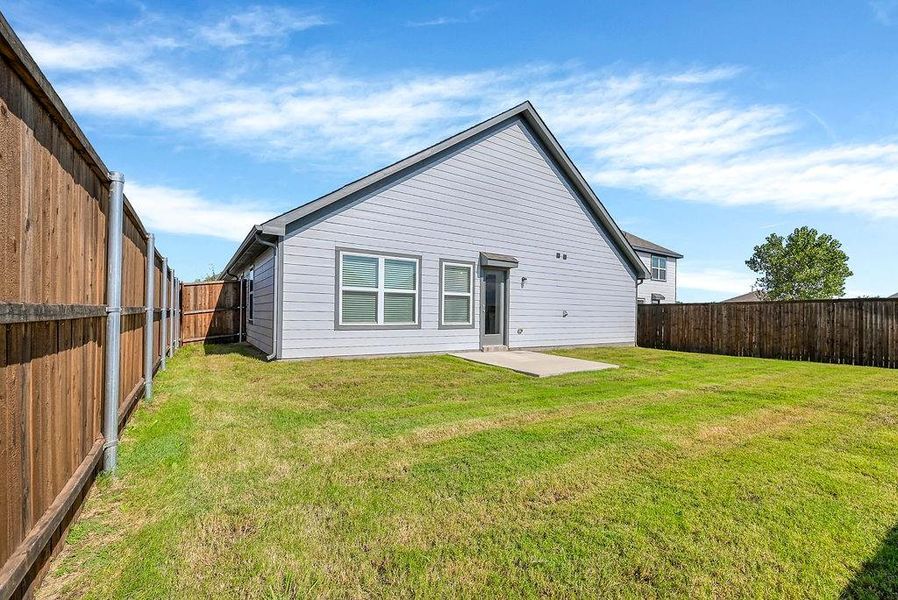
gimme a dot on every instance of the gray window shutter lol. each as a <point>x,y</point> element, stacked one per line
<point>359,307</point>
<point>399,308</point>
<point>359,271</point>
<point>400,274</point>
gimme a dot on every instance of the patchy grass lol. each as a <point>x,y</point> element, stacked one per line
<point>677,475</point>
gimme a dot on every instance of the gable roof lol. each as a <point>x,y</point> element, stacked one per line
<point>752,296</point>
<point>894,296</point>
<point>525,111</point>
<point>643,244</point>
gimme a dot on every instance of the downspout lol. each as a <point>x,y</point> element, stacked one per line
<point>274,300</point>
<point>240,309</point>
<point>639,282</point>
<point>113,320</point>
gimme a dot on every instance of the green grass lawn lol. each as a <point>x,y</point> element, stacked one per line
<point>676,475</point>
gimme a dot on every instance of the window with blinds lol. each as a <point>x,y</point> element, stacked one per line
<point>457,295</point>
<point>377,290</point>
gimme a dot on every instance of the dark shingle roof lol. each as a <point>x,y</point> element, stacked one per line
<point>639,243</point>
<point>894,296</point>
<point>749,297</point>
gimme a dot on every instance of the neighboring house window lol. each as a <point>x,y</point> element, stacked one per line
<point>249,294</point>
<point>659,268</point>
<point>377,290</point>
<point>457,294</point>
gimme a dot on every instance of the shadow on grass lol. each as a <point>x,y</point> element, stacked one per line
<point>878,577</point>
<point>242,349</point>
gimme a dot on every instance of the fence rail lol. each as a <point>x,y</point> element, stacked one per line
<point>855,332</point>
<point>55,209</point>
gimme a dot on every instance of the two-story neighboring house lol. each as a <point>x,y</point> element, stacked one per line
<point>662,263</point>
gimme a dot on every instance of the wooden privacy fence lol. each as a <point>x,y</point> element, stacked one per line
<point>55,215</point>
<point>854,332</point>
<point>212,311</point>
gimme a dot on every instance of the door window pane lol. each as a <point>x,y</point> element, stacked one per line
<point>491,304</point>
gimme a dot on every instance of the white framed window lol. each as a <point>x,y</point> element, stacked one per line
<point>377,290</point>
<point>456,294</point>
<point>249,295</point>
<point>659,268</point>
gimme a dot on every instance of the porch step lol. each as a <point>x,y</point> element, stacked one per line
<point>495,348</point>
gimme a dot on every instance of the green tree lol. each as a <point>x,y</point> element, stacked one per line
<point>211,275</point>
<point>804,265</point>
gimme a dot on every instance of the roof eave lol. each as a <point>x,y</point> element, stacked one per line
<point>249,248</point>
<point>657,252</point>
<point>525,111</point>
<point>529,113</point>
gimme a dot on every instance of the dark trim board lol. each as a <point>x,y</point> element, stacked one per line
<point>17,312</point>
<point>474,305</point>
<point>419,292</point>
<point>359,189</point>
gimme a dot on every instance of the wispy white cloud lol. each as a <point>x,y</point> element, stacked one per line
<point>700,75</point>
<point>195,213</point>
<point>53,54</point>
<point>716,280</point>
<point>473,15</point>
<point>258,23</point>
<point>335,114</point>
<point>884,10</point>
<point>436,22</point>
<point>666,133</point>
<point>671,133</point>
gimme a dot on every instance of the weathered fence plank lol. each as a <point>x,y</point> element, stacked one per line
<point>54,202</point>
<point>853,331</point>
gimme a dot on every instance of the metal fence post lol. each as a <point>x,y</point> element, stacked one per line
<point>178,322</point>
<point>148,354</point>
<point>113,319</point>
<point>171,320</point>
<point>163,325</point>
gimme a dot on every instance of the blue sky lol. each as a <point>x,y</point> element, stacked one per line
<point>702,126</point>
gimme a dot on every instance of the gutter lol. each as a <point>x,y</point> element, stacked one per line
<point>274,299</point>
<point>246,244</point>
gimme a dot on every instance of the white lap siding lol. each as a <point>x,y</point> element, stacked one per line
<point>258,333</point>
<point>498,194</point>
<point>668,288</point>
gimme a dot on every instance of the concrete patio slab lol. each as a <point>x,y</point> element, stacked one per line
<point>534,363</point>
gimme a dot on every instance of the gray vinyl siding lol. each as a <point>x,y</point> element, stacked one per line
<point>259,332</point>
<point>668,288</point>
<point>499,193</point>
